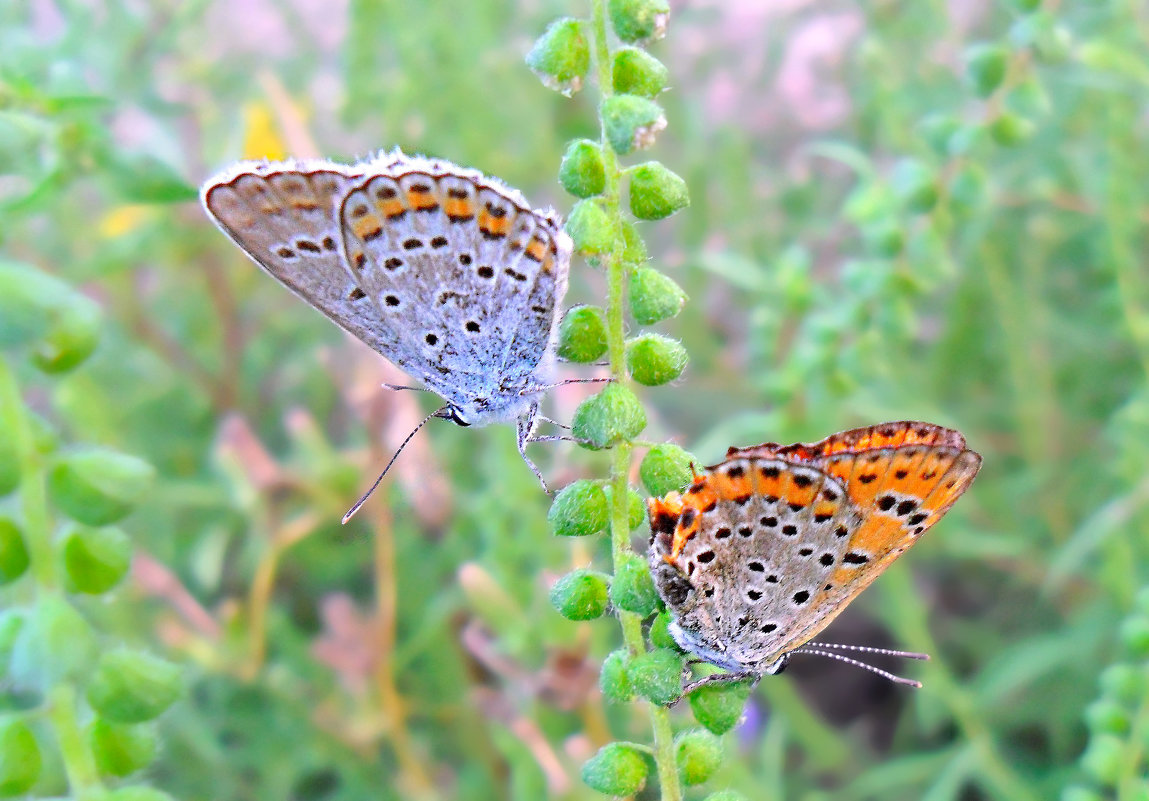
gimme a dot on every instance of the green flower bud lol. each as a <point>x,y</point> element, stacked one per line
<point>632,588</point>
<point>937,129</point>
<point>660,632</point>
<point>97,487</point>
<point>635,507</point>
<point>35,307</point>
<point>657,676</point>
<point>137,793</point>
<point>618,769</point>
<point>631,122</point>
<point>699,755</point>
<point>55,644</point>
<point>121,750</point>
<point>636,72</point>
<point>561,56</point>
<point>20,760</point>
<point>95,559</point>
<point>590,228</point>
<point>133,687</point>
<point>916,185</point>
<point>580,595</point>
<point>611,416</point>
<point>614,680</point>
<point>579,509</point>
<point>72,338</point>
<point>1103,759</point>
<point>656,192</point>
<point>1135,637</point>
<point>582,334</point>
<point>13,552</point>
<point>633,248</point>
<point>1009,129</point>
<point>654,297</point>
<point>639,20</point>
<point>719,706</point>
<point>885,238</point>
<point>1104,716</point>
<point>986,66</point>
<point>582,172</point>
<point>1124,683</point>
<point>654,359</point>
<point>666,468</point>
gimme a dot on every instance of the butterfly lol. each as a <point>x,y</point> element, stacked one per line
<point>447,273</point>
<point>761,552</point>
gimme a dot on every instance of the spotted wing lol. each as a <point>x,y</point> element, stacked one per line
<point>765,549</point>
<point>901,478</point>
<point>282,215</point>
<point>464,271</point>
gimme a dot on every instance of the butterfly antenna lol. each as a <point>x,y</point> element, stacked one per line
<point>867,649</point>
<point>351,512</point>
<point>865,666</point>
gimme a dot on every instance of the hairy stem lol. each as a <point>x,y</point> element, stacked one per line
<point>615,269</point>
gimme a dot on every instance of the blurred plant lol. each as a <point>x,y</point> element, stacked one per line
<point>95,701</point>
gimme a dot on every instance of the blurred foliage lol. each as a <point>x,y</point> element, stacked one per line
<point>899,210</point>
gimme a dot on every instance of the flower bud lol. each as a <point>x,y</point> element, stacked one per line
<point>986,66</point>
<point>657,676</point>
<point>636,72</point>
<point>719,707</point>
<point>632,588</point>
<point>580,595</point>
<point>97,486</point>
<point>95,559</point>
<point>666,468</point>
<point>699,755</point>
<point>631,122</point>
<point>20,760</point>
<point>654,297</point>
<point>611,416</point>
<point>561,56</point>
<point>582,172</point>
<point>654,359</point>
<point>582,334</point>
<point>133,687</point>
<point>618,769</point>
<point>639,20</point>
<point>614,679</point>
<point>579,509</point>
<point>121,750</point>
<point>13,552</point>
<point>656,192</point>
<point>590,228</point>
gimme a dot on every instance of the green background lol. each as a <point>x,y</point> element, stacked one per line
<point>413,653</point>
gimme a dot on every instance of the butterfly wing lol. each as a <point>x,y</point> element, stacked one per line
<point>900,479</point>
<point>282,215</point>
<point>468,275</point>
<point>765,549</point>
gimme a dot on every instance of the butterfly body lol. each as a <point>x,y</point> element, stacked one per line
<point>764,550</point>
<point>448,274</point>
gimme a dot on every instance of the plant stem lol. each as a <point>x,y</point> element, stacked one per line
<point>664,753</point>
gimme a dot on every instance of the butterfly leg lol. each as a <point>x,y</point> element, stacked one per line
<point>524,430</point>
<point>721,678</point>
<point>556,423</point>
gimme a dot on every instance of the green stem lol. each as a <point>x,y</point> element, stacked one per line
<point>664,753</point>
<point>33,497</point>
<point>79,764</point>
